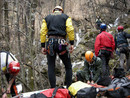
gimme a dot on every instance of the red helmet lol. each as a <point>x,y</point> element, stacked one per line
<point>14,68</point>
<point>120,28</point>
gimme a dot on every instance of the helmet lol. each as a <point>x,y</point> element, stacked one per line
<point>103,26</point>
<point>120,28</point>
<point>14,68</point>
<point>58,7</point>
<point>89,56</point>
<point>98,17</point>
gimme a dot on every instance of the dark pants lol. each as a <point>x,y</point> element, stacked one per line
<point>8,77</point>
<point>51,57</point>
<point>124,54</point>
<point>105,57</point>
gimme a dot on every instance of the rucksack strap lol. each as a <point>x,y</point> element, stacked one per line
<point>55,90</point>
<point>7,55</point>
<point>12,56</point>
<point>107,36</point>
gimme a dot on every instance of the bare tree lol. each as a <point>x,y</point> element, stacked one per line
<point>1,19</point>
<point>1,1</point>
<point>6,21</point>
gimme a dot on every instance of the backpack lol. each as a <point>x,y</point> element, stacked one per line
<point>76,86</point>
<point>120,38</point>
<point>87,92</point>
<point>104,81</point>
<point>57,92</point>
<point>82,90</point>
<point>7,58</point>
<point>119,88</point>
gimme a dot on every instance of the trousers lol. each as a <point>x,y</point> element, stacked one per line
<point>105,57</point>
<point>124,54</point>
<point>57,49</point>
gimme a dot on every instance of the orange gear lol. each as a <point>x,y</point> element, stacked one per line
<point>89,56</point>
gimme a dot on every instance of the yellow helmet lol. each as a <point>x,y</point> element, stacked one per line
<point>58,7</point>
<point>89,56</point>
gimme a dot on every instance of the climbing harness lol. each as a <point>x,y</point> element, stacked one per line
<point>60,42</point>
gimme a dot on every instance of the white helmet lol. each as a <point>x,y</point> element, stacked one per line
<point>58,7</point>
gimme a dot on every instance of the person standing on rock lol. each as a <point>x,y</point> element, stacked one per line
<point>57,27</point>
<point>104,48</point>
<point>122,47</point>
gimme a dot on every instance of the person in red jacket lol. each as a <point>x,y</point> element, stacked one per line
<point>104,47</point>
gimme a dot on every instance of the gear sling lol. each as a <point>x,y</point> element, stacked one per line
<point>60,42</point>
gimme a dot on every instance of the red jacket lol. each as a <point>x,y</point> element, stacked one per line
<point>104,41</point>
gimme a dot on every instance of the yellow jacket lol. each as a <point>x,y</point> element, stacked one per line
<point>69,30</point>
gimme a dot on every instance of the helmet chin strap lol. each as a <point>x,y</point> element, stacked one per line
<point>91,63</point>
<point>93,59</point>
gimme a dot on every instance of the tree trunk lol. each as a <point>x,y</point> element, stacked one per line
<point>19,42</point>
<point>54,2</point>
<point>63,4</point>
<point>1,20</point>
<point>7,34</point>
